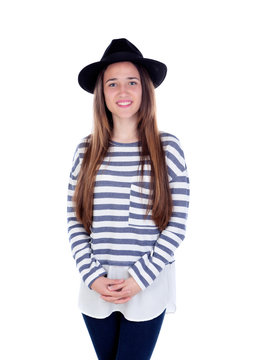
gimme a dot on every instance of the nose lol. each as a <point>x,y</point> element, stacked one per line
<point>123,90</point>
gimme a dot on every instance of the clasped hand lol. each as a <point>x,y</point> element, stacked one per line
<point>117,291</point>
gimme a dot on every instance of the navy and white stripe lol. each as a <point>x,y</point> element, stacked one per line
<point>120,235</point>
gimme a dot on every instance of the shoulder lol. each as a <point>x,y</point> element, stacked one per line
<point>79,153</point>
<point>82,146</point>
<point>170,142</point>
<point>84,143</point>
<point>174,154</point>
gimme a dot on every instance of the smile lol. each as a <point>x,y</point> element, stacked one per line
<point>124,103</point>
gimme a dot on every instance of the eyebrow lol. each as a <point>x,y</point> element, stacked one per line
<point>129,78</point>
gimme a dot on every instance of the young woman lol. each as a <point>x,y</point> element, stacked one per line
<point>127,206</point>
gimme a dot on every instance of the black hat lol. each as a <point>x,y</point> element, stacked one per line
<point>121,50</point>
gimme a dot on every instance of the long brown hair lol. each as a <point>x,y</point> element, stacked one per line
<point>151,148</point>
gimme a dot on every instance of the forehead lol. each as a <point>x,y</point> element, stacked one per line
<point>121,69</point>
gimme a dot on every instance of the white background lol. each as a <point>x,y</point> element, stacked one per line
<point>207,101</point>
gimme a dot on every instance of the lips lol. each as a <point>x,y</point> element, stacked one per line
<point>124,103</point>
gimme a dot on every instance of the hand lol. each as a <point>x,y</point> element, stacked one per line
<point>101,286</point>
<point>122,292</point>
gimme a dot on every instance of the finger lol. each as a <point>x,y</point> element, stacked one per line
<point>114,300</point>
<point>115,287</point>
<point>116,294</point>
<point>110,299</point>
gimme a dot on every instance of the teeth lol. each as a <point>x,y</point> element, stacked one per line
<point>124,103</point>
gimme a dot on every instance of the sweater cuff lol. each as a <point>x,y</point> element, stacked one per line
<point>144,271</point>
<point>94,274</point>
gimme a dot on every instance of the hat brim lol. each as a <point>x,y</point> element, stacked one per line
<point>88,75</point>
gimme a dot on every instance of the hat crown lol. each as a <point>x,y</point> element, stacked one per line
<point>121,46</point>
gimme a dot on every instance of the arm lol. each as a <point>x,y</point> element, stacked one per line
<point>89,267</point>
<point>149,266</point>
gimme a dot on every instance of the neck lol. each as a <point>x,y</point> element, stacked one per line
<point>125,130</point>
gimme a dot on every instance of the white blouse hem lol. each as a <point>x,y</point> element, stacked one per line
<point>146,305</point>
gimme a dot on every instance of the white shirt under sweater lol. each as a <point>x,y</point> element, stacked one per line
<point>122,243</point>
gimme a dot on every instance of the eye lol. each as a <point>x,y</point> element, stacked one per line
<point>112,85</point>
<point>132,83</point>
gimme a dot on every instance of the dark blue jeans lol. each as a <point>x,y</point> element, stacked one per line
<point>116,338</point>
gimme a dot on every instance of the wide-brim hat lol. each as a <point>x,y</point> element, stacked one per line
<point>121,50</point>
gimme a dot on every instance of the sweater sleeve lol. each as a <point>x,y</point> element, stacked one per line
<point>89,267</point>
<point>149,266</point>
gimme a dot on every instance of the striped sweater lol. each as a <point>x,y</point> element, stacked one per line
<point>120,235</point>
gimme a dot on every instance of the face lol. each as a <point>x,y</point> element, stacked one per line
<point>122,90</point>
